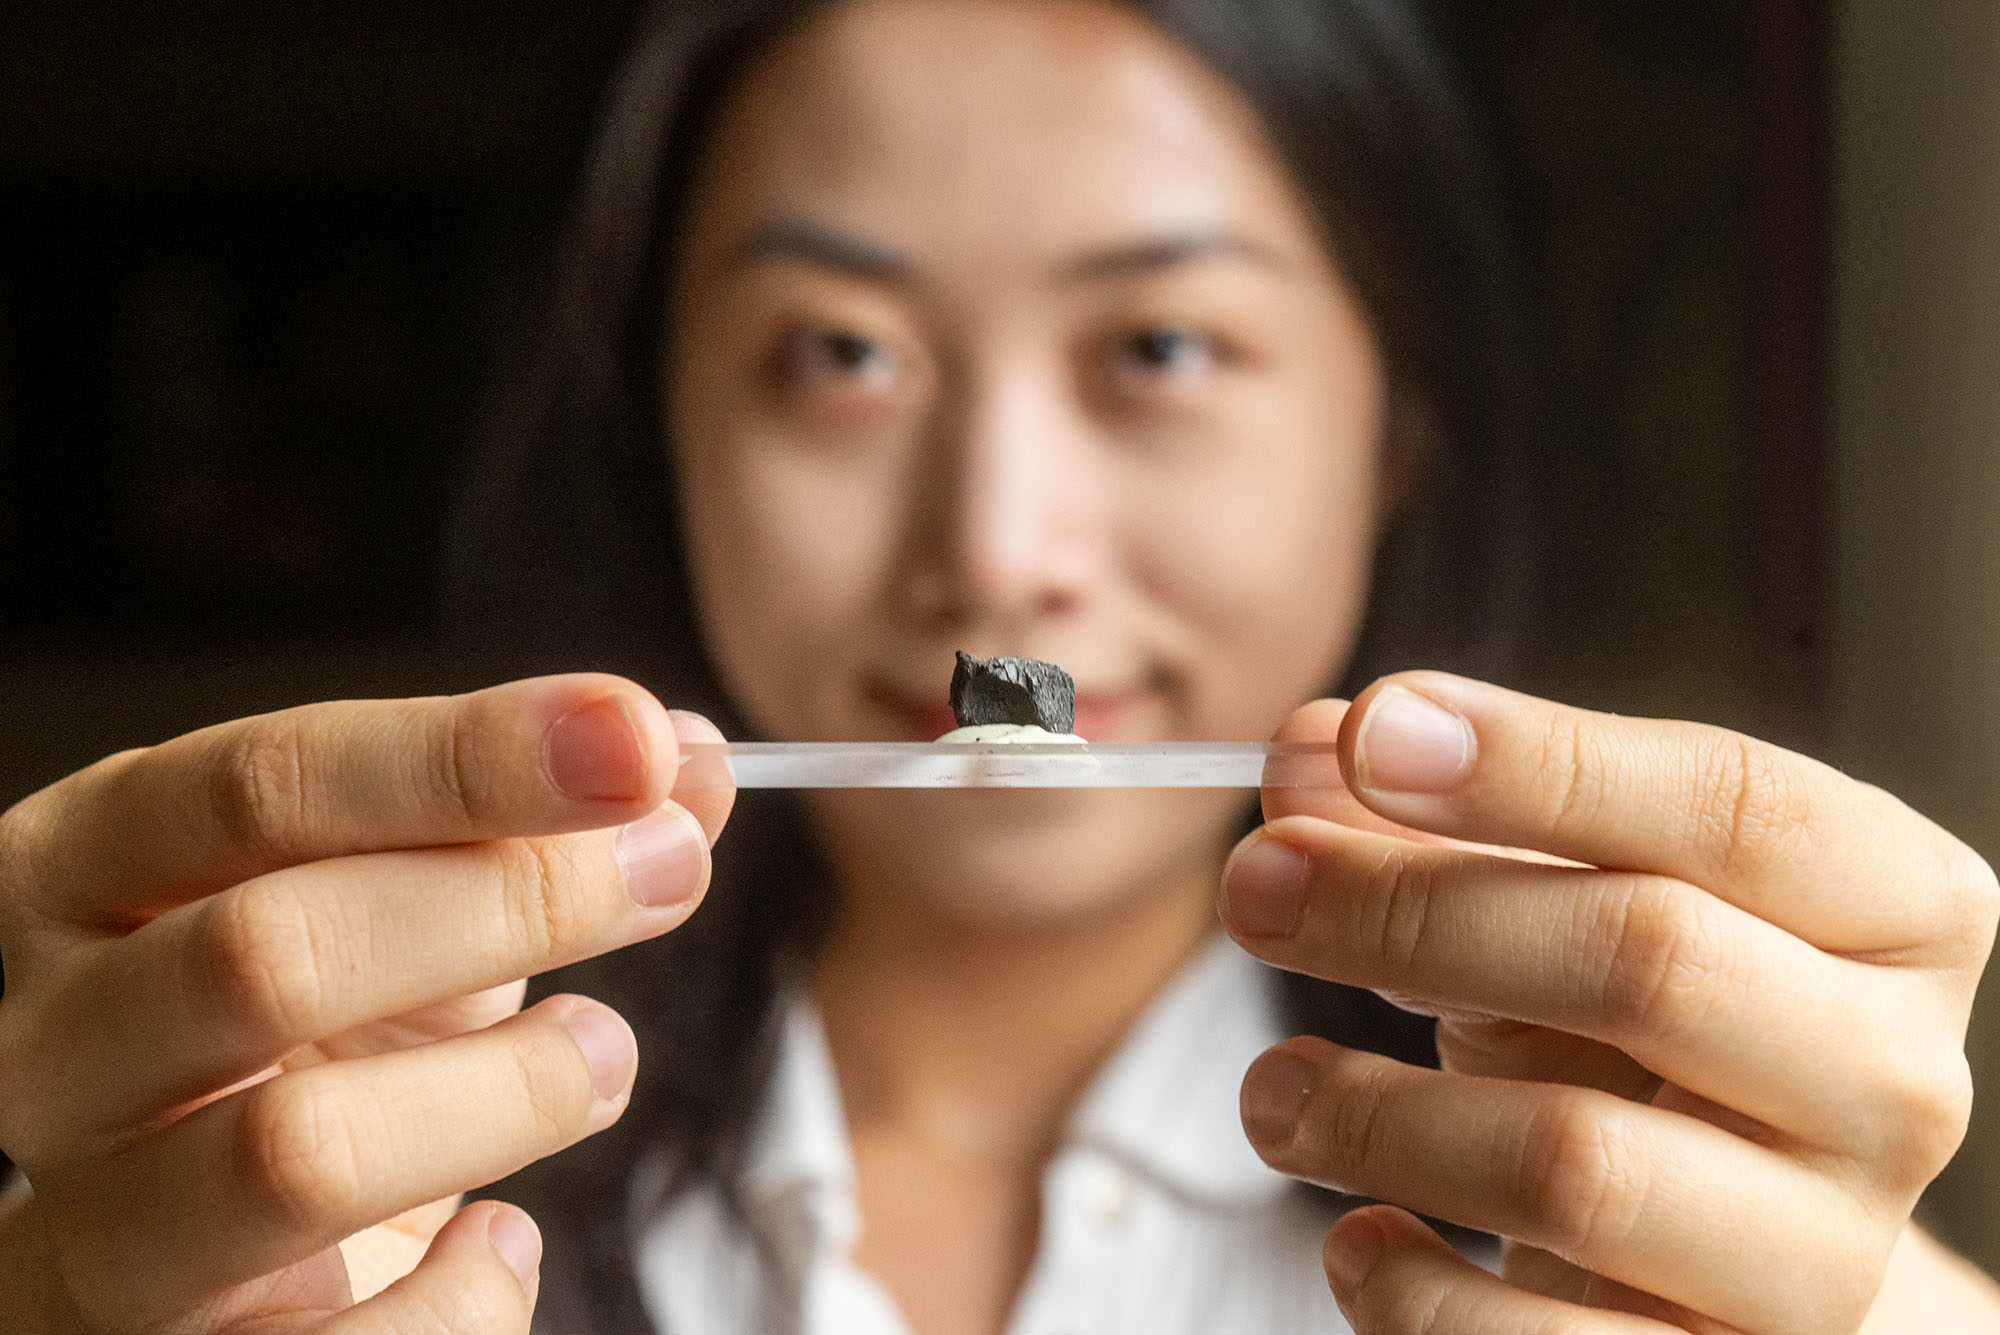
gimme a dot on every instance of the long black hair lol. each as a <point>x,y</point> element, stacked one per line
<point>568,553</point>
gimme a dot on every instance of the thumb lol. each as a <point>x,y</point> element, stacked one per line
<point>1319,721</point>
<point>480,1277</point>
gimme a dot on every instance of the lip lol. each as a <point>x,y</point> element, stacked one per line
<point>1099,714</point>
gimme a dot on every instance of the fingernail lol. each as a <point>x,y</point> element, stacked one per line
<point>514,1237</point>
<point>1264,888</point>
<point>593,753</point>
<point>1352,1249</point>
<point>608,1049</point>
<point>1274,1094</point>
<point>692,727</point>
<point>1408,744</point>
<point>708,771</point>
<point>664,858</point>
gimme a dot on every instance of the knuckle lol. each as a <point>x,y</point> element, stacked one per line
<point>1575,788</point>
<point>1400,891</point>
<point>548,894</point>
<point>18,826</point>
<point>454,772</point>
<point>1763,816</point>
<point>1579,1181</point>
<point>1976,874</point>
<point>554,1099</point>
<point>31,834</point>
<point>39,846</point>
<point>258,962</point>
<point>1930,1111</point>
<point>1416,1309</point>
<point>258,790</point>
<point>1970,896</point>
<point>18,855</point>
<point>32,829</point>
<point>295,1156</point>
<point>1665,960</point>
<point>1359,1134</point>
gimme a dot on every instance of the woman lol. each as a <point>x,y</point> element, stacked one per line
<point>1136,338</point>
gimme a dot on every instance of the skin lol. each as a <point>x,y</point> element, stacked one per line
<point>944,386</point>
<point>1702,1044</point>
<point>894,449</point>
<point>260,1024</point>
<point>1010,463</point>
<point>255,973</point>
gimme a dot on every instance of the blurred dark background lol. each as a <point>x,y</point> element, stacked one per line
<point>258,264</point>
<point>261,265</point>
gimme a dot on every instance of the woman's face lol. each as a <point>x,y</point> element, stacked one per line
<point>999,326</point>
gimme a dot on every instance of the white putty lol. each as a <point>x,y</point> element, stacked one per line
<point>988,734</point>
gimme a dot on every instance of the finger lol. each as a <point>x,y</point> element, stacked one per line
<point>1393,1276</point>
<point>426,1024</point>
<point>480,1277</point>
<point>146,830</point>
<point>286,1168</point>
<point>1664,1203</point>
<point>1320,721</point>
<point>703,784</point>
<point>1842,864</point>
<point>1696,990</point>
<point>377,1257</point>
<point>1517,1050</point>
<point>307,952</point>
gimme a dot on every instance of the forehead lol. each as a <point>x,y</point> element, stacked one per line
<point>999,127</point>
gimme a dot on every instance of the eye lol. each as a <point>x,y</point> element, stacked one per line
<point>1177,352</point>
<point>823,355</point>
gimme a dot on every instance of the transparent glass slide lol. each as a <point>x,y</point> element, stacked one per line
<point>1051,765</point>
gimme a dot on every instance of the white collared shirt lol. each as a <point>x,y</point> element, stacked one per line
<point>1157,1217</point>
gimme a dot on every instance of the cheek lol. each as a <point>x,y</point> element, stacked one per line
<point>1265,555</point>
<point>786,555</point>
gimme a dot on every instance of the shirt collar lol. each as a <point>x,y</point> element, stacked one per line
<point>1165,1104</point>
<point>798,1168</point>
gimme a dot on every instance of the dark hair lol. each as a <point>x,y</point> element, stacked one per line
<point>567,554</point>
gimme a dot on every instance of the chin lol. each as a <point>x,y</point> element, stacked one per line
<point>1028,859</point>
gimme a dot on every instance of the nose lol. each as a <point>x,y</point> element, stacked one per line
<point>1010,524</point>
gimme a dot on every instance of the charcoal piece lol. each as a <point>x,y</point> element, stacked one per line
<point>1026,691</point>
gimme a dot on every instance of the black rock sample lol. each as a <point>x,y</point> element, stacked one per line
<point>1026,691</point>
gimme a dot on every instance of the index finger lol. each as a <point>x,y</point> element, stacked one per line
<point>1840,863</point>
<point>145,830</point>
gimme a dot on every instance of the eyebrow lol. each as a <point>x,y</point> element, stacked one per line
<point>795,239</point>
<point>1167,252</point>
<point>828,248</point>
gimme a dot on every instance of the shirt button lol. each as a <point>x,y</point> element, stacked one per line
<point>1108,1198</point>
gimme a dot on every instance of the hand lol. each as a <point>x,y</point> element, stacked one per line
<point>262,985</point>
<point>1702,1041</point>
